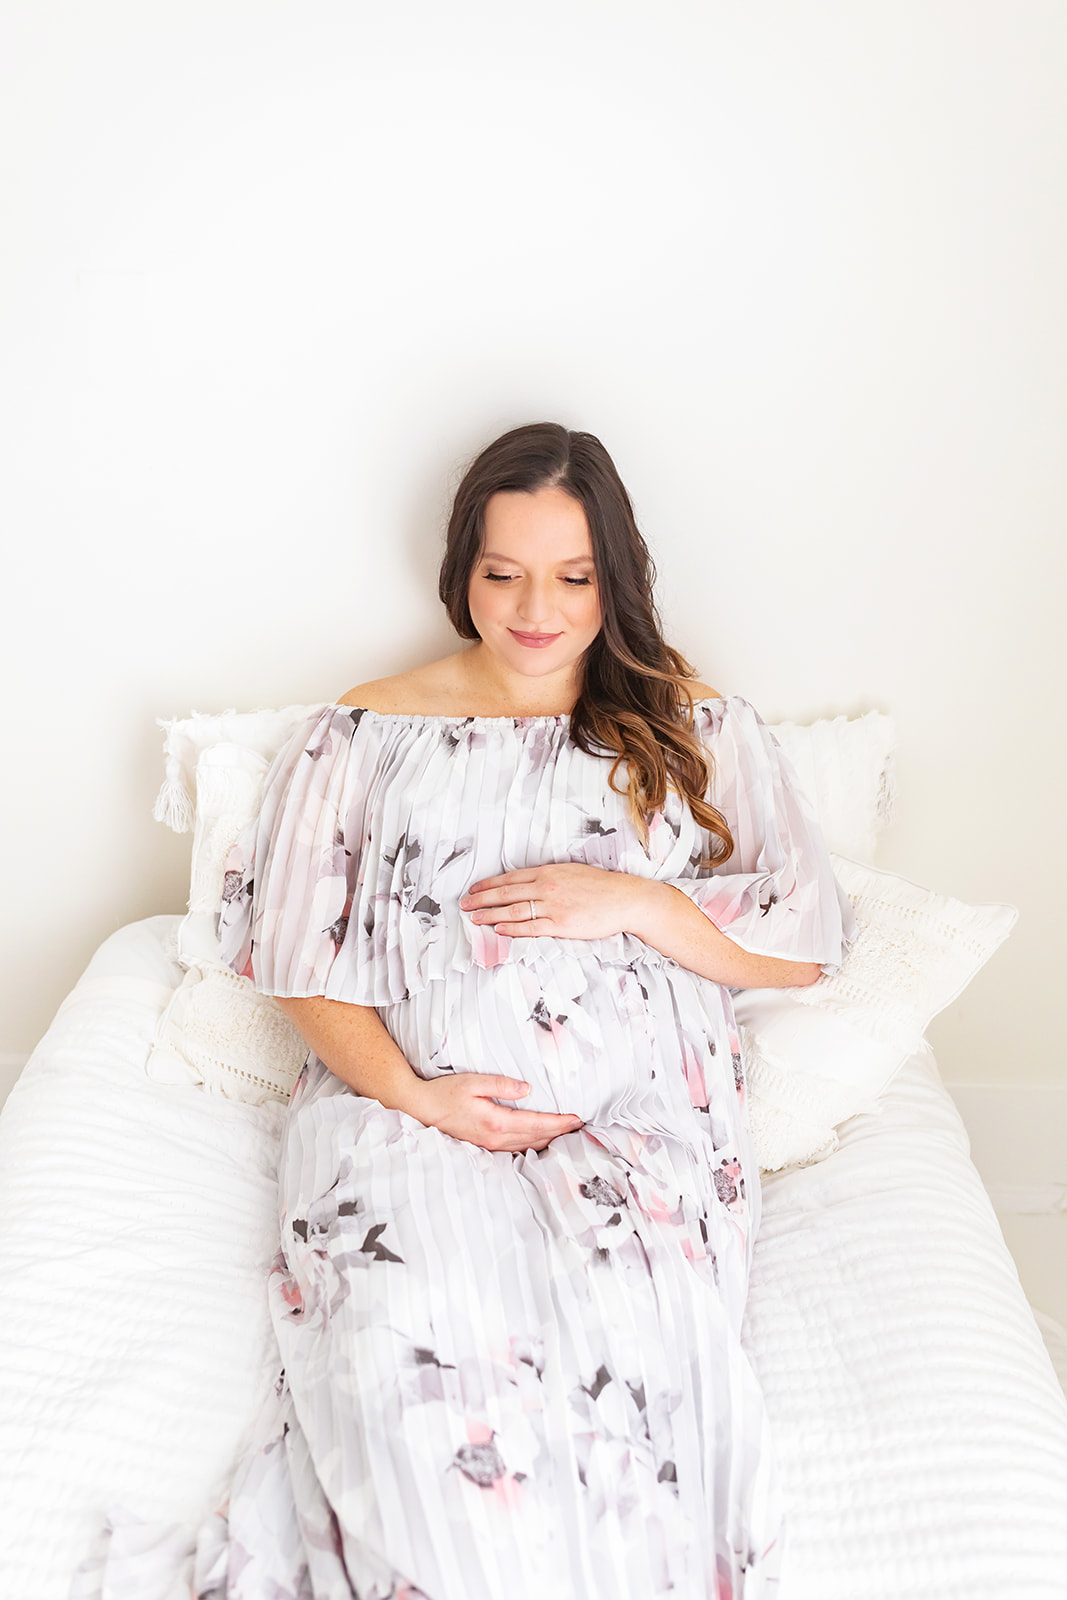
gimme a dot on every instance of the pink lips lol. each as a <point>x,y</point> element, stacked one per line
<point>535,641</point>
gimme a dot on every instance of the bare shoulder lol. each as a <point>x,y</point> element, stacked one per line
<point>423,691</point>
<point>366,695</point>
<point>702,691</point>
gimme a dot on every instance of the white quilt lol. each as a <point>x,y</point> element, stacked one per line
<point>922,1433</point>
<point>922,1429</point>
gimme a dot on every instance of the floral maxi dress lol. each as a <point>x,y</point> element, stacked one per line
<point>512,1375</point>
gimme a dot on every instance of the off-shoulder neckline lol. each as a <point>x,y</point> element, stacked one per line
<point>429,716</point>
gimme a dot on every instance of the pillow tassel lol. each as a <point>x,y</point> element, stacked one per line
<point>886,804</point>
<point>174,804</point>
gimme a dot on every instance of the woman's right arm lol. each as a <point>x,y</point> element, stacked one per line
<point>354,1043</point>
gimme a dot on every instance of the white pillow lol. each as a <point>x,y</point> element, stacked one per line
<point>215,767</point>
<point>818,1055</point>
<point>187,738</point>
<point>845,768</point>
<point>218,1031</point>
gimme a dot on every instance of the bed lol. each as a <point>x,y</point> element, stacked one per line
<point>920,1428</point>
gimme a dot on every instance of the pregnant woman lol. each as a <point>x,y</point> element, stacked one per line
<point>504,898</point>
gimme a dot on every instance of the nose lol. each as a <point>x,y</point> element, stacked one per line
<point>536,605</point>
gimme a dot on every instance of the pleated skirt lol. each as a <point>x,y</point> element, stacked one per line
<point>521,1374</point>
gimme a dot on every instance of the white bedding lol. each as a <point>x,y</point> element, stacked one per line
<point>922,1430</point>
<point>922,1433</point>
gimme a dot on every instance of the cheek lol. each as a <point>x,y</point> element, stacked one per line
<point>480,599</point>
<point>587,615</point>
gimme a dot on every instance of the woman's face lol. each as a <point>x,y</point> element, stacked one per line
<point>533,591</point>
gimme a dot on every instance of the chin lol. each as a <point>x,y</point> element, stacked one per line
<point>532,664</point>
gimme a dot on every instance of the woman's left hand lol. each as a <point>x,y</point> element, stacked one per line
<point>572,901</point>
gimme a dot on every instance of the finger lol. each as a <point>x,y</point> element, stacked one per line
<point>501,1088</point>
<point>507,909</point>
<point>513,916</point>
<point>538,1124</point>
<point>524,930</point>
<point>508,894</point>
<point>516,875</point>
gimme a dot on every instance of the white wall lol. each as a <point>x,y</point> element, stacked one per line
<point>274,271</point>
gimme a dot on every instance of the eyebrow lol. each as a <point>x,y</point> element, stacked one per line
<point>568,561</point>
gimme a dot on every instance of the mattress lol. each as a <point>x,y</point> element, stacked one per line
<point>921,1427</point>
<point>921,1432</point>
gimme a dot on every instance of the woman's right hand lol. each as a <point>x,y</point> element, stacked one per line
<point>462,1104</point>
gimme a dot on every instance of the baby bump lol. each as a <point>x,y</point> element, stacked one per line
<point>610,1053</point>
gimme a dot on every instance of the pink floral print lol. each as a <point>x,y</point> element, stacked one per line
<point>521,1374</point>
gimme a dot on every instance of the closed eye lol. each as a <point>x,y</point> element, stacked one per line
<point>506,577</point>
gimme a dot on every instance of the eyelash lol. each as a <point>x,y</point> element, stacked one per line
<point>505,577</point>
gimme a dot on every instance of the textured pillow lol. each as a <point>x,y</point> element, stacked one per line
<point>845,768</point>
<point>818,1055</point>
<point>219,1032</point>
<point>187,738</point>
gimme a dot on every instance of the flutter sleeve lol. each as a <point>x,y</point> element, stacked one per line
<point>293,871</point>
<point>776,894</point>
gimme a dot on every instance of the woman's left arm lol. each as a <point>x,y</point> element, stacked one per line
<point>576,901</point>
<point>675,926</point>
<point>769,916</point>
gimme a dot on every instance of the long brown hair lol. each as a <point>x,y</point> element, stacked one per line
<point>632,682</point>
